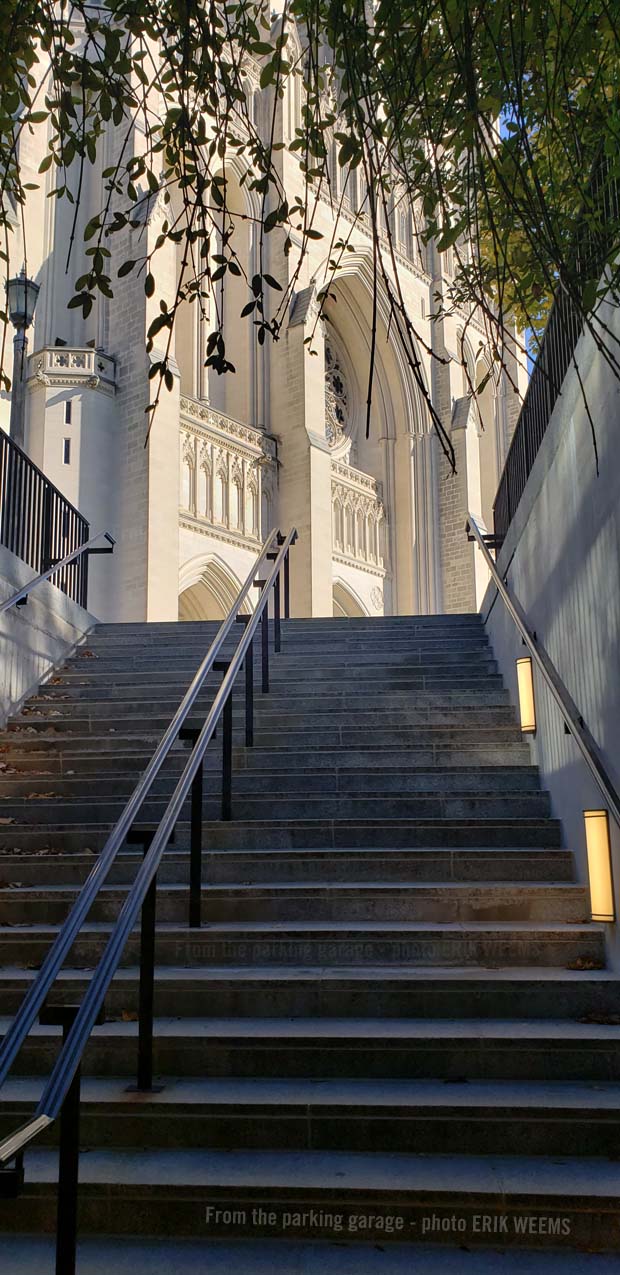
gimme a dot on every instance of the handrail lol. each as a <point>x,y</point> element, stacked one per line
<point>76,1039</point>
<point>58,566</point>
<point>64,940</point>
<point>584,739</point>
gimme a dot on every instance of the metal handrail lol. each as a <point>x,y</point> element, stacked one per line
<point>584,739</point>
<point>69,931</point>
<point>76,1038</point>
<point>58,566</point>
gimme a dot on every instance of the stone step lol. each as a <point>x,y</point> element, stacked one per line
<point>42,737</point>
<point>284,781</point>
<point>301,624</point>
<point>28,1255</point>
<point>419,687</point>
<point>377,992</point>
<point>332,647</point>
<point>70,764</point>
<point>402,1116</point>
<point>318,900</point>
<point>337,943</point>
<point>283,671</point>
<point>300,834</point>
<point>487,706</point>
<point>333,865</point>
<point>230,1051</point>
<point>287,807</point>
<point>517,1201</point>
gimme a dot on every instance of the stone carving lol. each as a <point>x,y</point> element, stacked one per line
<point>336,397</point>
<point>376,597</point>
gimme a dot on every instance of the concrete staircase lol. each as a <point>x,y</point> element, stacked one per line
<point>395,1029</point>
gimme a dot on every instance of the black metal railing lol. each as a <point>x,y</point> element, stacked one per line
<point>38,524</point>
<point>61,1094</point>
<point>564,326</point>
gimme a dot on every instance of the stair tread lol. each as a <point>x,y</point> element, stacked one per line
<point>301,888</point>
<point>28,1256</point>
<point>427,1094</point>
<point>340,927</point>
<point>377,1029</point>
<point>323,1171</point>
<point>383,973</point>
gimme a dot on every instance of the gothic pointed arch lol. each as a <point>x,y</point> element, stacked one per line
<point>400,452</point>
<point>207,589</point>
<point>347,604</point>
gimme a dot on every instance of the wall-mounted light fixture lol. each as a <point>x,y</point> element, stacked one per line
<point>599,865</point>
<point>527,705</point>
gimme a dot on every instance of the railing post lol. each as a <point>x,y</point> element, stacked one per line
<point>222,666</point>
<point>249,687</point>
<point>146,994</point>
<point>46,530</point>
<point>189,732</point>
<point>264,641</point>
<point>277,636</point>
<point>69,1151</point>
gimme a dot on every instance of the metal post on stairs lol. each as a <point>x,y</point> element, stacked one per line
<point>69,1151</point>
<point>222,666</point>
<point>146,993</point>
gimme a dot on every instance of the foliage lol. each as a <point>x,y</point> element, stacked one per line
<point>488,117</point>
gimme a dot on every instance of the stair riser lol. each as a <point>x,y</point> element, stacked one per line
<point>337,686</point>
<point>521,866</point>
<point>284,670</point>
<point>187,659</point>
<point>40,737</point>
<point>264,783</point>
<point>514,1132</point>
<point>264,836</point>
<point>61,762</point>
<point>444,948</point>
<point>518,904</point>
<point>290,715</point>
<point>530,805</point>
<point>379,997</point>
<point>525,1221</point>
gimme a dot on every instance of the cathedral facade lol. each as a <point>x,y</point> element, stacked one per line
<point>283,440</point>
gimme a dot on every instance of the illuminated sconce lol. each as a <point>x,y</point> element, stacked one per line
<point>527,706</point>
<point>599,865</point>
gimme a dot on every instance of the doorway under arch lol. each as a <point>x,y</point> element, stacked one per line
<point>210,591</point>
<point>346,605</point>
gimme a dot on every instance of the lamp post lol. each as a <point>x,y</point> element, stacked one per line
<point>22,296</point>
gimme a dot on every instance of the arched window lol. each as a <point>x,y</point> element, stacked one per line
<point>361,534</point>
<point>187,486</point>
<point>265,513</point>
<point>203,499</point>
<point>251,509</point>
<point>332,165</point>
<point>235,502</point>
<point>338,524</point>
<point>349,530</point>
<point>220,512</point>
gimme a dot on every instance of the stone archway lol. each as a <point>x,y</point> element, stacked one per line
<point>347,605</point>
<point>207,591</point>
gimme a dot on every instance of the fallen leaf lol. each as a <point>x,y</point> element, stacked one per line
<point>128,1016</point>
<point>585,963</point>
<point>5,821</point>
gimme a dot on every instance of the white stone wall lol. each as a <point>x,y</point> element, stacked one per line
<point>562,559</point>
<point>132,490</point>
<point>36,637</point>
